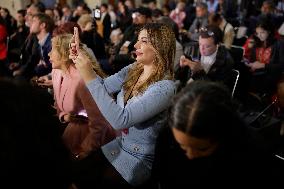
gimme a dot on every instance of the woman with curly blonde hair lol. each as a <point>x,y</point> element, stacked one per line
<point>145,89</point>
<point>86,128</point>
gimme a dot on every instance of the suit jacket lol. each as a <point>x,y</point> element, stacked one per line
<point>72,96</point>
<point>220,71</point>
<point>132,153</point>
<point>30,56</point>
<point>41,69</point>
<point>107,27</point>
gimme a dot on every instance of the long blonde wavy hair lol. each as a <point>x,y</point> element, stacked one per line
<point>61,43</point>
<point>163,40</point>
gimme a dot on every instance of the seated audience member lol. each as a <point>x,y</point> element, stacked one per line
<point>208,143</point>
<point>30,52</point>
<point>90,36</point>
<point>145,89</point>
<point>178,14</point>
<point>200,21</point>
<point>67,14</point>
<point>280,8</point>
<point>265,58</point>
<point>215,63</point>
<point>86,128</point>
<point>93,40</point>
<point>122,53</point>
<point>106,22</point>
<point>124,17</point>
<point>9,21</point>
<point>32,152</point>
<point>267,9</point>
<point>226,28</point>
<point>65,28</point>
<point>212,6</point>
<point>18,38</point>
<point>42,26</point>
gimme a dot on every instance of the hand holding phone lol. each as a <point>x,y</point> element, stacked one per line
<point>74,45</point>
<point>188,57</point>
<point>191,58</point>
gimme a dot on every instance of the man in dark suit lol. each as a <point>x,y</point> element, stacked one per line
<point>29,50</point>
<point>215,63</point>
<point>41,27</point>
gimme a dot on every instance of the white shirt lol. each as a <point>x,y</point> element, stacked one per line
<point>208,61</point>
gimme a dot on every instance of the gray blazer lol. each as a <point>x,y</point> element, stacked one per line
<point>132,153</point>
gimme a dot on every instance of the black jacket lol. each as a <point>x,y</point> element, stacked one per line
<point>265,80</point>
<point>220,71</point>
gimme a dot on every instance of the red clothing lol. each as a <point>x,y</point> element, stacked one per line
<point>262,54</point>
<point>247,49</point>
<point>3,46</point>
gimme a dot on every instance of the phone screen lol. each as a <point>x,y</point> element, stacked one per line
<point>188,56</point>
<point>97,13</point>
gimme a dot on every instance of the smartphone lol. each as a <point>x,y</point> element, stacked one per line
<point>81,117</point>
<point>191,58</point>
<point>188,57</point>
<point>245,61</point>
<point>97,13</point>
<point>126,43</point>
<point>75,40</point>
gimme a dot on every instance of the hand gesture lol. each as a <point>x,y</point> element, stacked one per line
<point>82,57</point>
<point>194,66</point>
<point>44,81</point>
<point>255,66</point>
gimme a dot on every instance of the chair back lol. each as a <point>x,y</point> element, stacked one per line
<point>236,75</point>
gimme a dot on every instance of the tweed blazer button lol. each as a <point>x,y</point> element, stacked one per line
<point>136,148</point>
<point>113,153</point>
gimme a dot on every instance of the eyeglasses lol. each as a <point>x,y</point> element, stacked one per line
<point>205,30</point>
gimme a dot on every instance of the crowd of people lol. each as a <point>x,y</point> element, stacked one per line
<point>137,96</point>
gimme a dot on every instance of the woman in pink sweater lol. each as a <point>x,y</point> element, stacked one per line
<point>86,128</point>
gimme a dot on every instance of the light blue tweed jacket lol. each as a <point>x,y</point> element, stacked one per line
<point>132,153</point>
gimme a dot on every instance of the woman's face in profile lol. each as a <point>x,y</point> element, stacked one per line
<point>54,57</point>
<point>194,147</point>
<point>261,34</point>
<point>145,52</point>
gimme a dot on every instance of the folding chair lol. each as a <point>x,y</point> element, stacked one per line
<point>235,82</point>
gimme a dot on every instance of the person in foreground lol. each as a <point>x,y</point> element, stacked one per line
<point>207,140</point>
<point>32,152</point>
<point>144,90</point>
